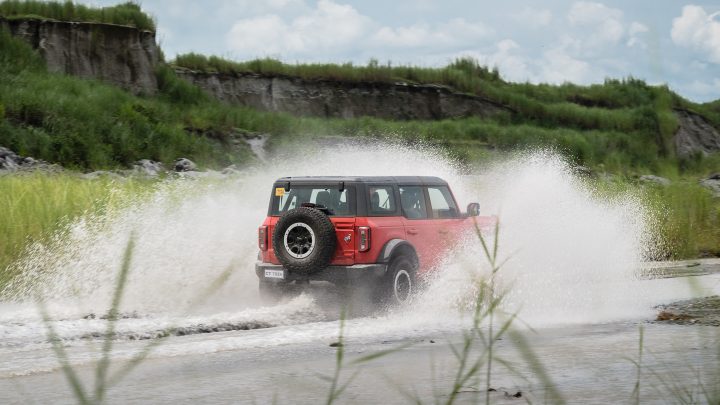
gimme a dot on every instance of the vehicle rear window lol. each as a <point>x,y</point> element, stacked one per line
<point>338,202</point>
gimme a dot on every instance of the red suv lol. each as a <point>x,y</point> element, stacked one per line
<point>385,231</point>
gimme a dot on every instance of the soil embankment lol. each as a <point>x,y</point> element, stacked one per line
<point>339,99</point>
<point>117,54</point>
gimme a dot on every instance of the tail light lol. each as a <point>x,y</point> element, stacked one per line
<point>364,238</point>
<point>262,238</point>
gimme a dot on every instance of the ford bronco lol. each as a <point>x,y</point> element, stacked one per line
<point>385,232</point>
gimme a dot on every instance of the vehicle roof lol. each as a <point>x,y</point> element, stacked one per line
<point>405,180</point>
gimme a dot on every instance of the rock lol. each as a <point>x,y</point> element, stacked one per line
<point>8,160</point>
<point>12,162</point>
<point>694,135</point>
<point>714,176</point>
<point>230,170</point>
<point>185,165</point>
<point>649,178</point>
<point>342,99</point>
<point>8,164</point>
<point>148,167</point>
<point>100,173</point>
<point>670,316</point>
<point>5,152</point>
<point>117,54</point>
<point>584,171</point>
<point>712,184</point>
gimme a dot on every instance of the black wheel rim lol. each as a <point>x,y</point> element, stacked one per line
<point>299,241</point>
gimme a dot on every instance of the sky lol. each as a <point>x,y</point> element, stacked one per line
<point>669,42</point>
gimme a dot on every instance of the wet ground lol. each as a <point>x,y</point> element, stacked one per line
<point>287,359</point>
<point>588,364</point>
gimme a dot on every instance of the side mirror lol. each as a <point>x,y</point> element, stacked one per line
<point>473,209</point>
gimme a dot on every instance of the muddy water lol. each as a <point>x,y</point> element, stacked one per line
<point>572,260</point>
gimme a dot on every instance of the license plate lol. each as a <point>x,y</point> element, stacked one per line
<point>274,274</point>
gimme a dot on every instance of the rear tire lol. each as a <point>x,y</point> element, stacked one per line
<point>399,283</point>
<point>304,240</point>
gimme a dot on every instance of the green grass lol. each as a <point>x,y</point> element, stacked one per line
<point>128,13</point>
<point>684,216</point>
<point>34,206</point>
<point>688,219</point>
<point>88,125</point>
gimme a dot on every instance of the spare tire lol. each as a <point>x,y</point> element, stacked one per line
<point>304,240</point>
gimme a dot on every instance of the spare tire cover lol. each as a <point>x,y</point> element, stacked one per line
<point>304,240</point>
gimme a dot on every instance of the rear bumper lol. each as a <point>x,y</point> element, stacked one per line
<point>332,274</point>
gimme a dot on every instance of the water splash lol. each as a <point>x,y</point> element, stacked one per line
<point>572,255</point>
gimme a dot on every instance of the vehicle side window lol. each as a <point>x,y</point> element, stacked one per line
<point>442,203</point>
<point>381,200</point>
<point>412,200</point>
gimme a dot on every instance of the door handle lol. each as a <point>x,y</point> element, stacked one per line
<point>412,231</point>
<point>443,231</point>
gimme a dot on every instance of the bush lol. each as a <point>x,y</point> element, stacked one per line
<point>16,55</point>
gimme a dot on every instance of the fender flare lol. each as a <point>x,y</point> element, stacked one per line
<point>394,246</point>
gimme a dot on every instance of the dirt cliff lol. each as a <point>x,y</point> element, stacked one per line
<point>695,135</point>
<point>121,55</point>
<point>338,99</point>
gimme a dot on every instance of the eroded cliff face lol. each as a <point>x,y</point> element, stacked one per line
<point>336,99</point>
<point>121,55</point>
<point>695,135</point>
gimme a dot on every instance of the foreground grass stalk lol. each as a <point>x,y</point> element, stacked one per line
<point>68,371</point>
<point>492,258</point>
<point>638,365</point>
<point>339,354</point>
<point>336,390</point>
<point>102,368</point>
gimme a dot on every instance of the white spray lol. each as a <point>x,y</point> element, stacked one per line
<point>572,257</point>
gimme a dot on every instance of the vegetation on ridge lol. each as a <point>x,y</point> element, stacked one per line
<point>128,13</point>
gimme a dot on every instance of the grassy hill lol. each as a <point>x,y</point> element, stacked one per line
<point>621,126</point>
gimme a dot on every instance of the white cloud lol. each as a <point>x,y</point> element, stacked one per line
<point>327,27</point>
<point>332,28</point>
<point>510,62</point>
<point>534,18</point>
<point>634,32</point>
<point>637,28</point>
<point>709,89</point>
<point>254,7</point>
<point>456,32</point>
<point>559,67</point>
<point>555,65</point>
<point>697,30</point>
<point>605,22</point>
